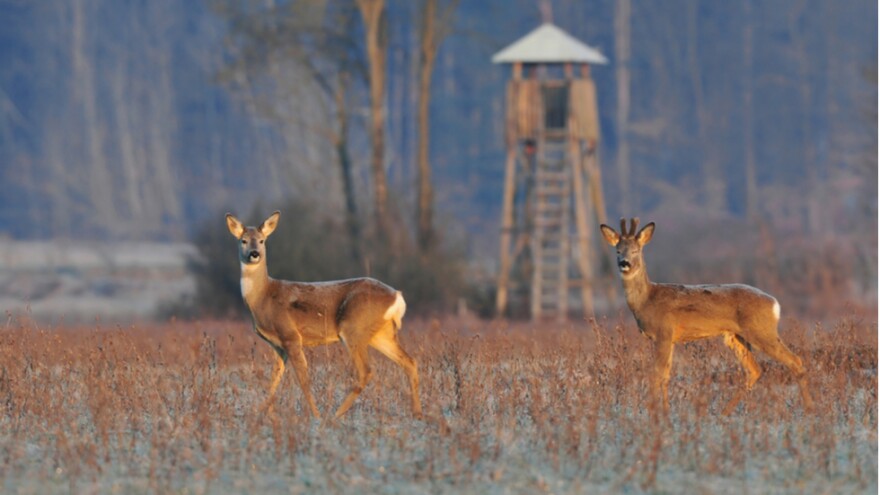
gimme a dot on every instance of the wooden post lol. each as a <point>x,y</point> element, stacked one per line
<point>594,174</point>
<point>536,251</point>
<point>562,288</point>
<point>506,229</point>
<point>584,239</point>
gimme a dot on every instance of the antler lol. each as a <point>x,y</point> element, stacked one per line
<point>633,226</point>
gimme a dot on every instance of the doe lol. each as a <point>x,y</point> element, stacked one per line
<point>361,312</point>
<point>668,314</point>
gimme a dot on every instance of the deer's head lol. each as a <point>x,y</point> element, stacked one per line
<point>252,240</point>
<point>629,245</point>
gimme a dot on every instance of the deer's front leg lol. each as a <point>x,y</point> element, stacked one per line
<point>277,373</point>
<point>301,368</point>
<point>663,347</point>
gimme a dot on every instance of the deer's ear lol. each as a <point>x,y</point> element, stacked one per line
<point>235,227</point>
<point>610,235</point>
<point>269,224</point>
<point>644,235</point>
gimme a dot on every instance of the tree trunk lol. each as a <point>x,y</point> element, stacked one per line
<point>100,182</point>
<point>814,207</point>
<point>714,189</point>
<point>749,144</point>
<point>373,13</point>
<point>127,159</point>
<point>341,145</point>
<point>161,126</point>
<point>622,13</point>
<point>428,50</point>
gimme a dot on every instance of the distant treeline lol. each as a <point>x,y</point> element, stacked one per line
<point>141,120</point>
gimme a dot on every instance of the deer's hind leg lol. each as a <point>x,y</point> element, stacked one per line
<point>387,343</point>
<point>358,350</point>
<point>773,346</point>
<point>741,349</point>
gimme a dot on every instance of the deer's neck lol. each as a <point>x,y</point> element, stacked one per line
<point>254,281</point>
<point>637,290</point>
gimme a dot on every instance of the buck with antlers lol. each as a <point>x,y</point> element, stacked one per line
<point>361,312</point>
<point>744,316</point>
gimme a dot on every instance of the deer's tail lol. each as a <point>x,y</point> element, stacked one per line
<point>396,311</point>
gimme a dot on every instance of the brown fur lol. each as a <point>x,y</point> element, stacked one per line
<point>361,312</point>
<point>668,314</point>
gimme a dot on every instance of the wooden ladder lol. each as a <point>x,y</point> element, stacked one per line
<point>550,242</point>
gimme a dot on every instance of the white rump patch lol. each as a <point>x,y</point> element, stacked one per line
<point>776,309</point>
<point>396,310</point>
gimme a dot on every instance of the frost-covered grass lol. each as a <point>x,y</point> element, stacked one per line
<point>510,409</point>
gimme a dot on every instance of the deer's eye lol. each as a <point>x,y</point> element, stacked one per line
<point>262,241</point>
<point>243,241</point>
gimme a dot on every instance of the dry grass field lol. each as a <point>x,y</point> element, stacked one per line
<point>516,408</point>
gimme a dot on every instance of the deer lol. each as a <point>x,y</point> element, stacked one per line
<point>360,312</point>
<point>668,314</point>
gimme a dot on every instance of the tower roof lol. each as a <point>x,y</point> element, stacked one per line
<point>549,44</point>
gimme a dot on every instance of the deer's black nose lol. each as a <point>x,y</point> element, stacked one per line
<point>254,254</point>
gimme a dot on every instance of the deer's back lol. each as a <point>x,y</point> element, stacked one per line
<point>340,297</point>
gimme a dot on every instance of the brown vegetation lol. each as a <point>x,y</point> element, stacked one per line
<point>560,409</point>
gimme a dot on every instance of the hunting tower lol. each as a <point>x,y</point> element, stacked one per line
<point>552,184</point>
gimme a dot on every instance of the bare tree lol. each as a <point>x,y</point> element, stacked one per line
<point>164,183</point>
<point>804,86</point>
<point>100,181</point>
<point>434,29</point>
<point>748,114</point>
<point>126,143</point>
<point>317,40</point>
<point>714,194</point>
<point>345,165</point>
<point>376,39</point>
<point>622,51</point>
